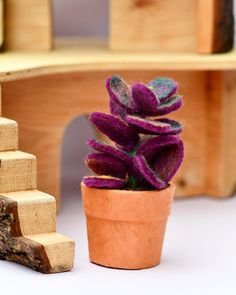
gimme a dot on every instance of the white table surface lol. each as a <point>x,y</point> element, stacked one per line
<point>199,257</point>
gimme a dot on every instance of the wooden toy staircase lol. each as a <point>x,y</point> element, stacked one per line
<point>27,216</point>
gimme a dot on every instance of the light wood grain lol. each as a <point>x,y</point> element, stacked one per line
<point>8,134</point>
<point>229,129</point>
<point>17,171</point>
<point>59,250</point>
<point>82,56</point>
<point>206,22</point>
<point>28,25</point>
<point>221,134</point>
<point>28,237</point>
<point>28,216</point>
<point>153,25</point>
<point>214,149</point>
<point>36,211</point>
<point>2,23</point>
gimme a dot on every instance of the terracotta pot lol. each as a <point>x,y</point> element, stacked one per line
<point>126,228</point>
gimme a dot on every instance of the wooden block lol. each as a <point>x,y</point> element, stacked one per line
<point>205,26</point>
<point>206,9</point>
<point>2,23</point>
<point>58,249</point>
<point>17,171</point>
<point>45,252</point>
<point>153,25</point>
<point>221,152</point>
<point>215,26</point>
<point>71,56</point>
<point>36,211</point>
<point>28,25</point>
<point>229,129</point>
<point>8,134</point>
<point>0,99</point>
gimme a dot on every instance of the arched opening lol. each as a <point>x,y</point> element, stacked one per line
<point>74,149</point>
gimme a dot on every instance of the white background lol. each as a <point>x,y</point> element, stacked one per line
<point>199,255</point>
<point>198,258</point>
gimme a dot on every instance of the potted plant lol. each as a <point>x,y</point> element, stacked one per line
<point>127,204</point>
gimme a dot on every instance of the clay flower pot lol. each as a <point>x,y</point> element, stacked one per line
<point>126,228</point>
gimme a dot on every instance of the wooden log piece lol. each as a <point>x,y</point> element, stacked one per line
<point>36,211</point>
<point>45,252</point>
<point>27,216</point>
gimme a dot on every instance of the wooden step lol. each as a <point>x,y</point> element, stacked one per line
<point>28,216</point>
<point>17,171</point>
<point>35,211</point>
<point>47,252</point>
<point>57,249</point>
<point>8,134</point>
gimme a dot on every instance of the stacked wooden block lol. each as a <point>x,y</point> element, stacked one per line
<point>27,216</point>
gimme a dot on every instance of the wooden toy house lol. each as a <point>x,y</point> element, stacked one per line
<point>44,90</point>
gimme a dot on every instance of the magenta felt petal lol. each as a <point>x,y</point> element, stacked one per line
<point>167,160</point>
<point>103,164</point>
<point>176,127</point>
<point>115,128</point>
<point>116,108</point>
<point>163,87</point>
<point>169,105</point>
<point>104,182</point>
<point>161,126</point>
<point>145,101</point>
<point>144,169</point>
<point>120,89</point>
<point>153,145</point>
<point>110,150</point>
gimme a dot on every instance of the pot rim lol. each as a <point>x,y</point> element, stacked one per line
<point>127,205</point>
<point>170,186</point>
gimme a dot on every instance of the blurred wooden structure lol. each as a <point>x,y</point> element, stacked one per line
<point>172,26</point>
<point>152,25</point>
<point>28,25</point>
<point>44,91</point>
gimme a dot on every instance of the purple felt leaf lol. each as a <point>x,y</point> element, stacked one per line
<point>104,182</point>
<point>175,126</point>
<point>141,165</point>
<point>115,128</point>
<point>167,160</point>
<point>161,126</point>
<point>110,150</point>
<point>153,145</point>
<point>121,90</point>
<point>145,101</point>
<point>163,87</point>
<point>104,164</point>
<point>116,108</point>
<point>169,105</point>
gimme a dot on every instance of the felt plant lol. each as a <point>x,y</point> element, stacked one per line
<point>146,151</point>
